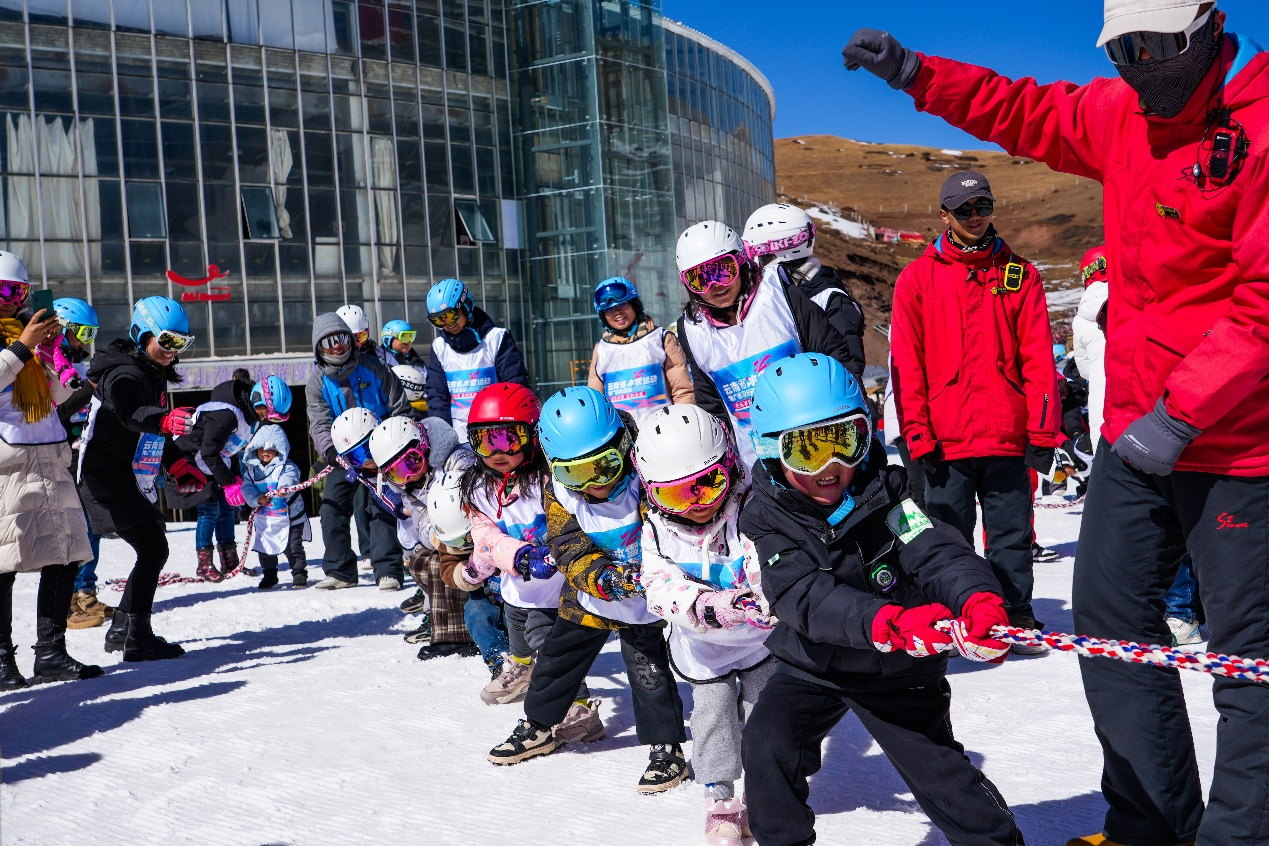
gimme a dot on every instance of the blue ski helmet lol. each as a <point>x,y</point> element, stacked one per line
<point>1059,352</point>
<point>577,421</point>
<point>155,315</point>
<point>800,390</point>
<point>449,293</point>
<point>76,311</point>
<point>275,395</point>
<point>613,292</point>
<point>393,328</point>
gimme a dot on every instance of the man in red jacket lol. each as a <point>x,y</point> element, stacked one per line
<point>975,390</point>
<point>1179,143</point>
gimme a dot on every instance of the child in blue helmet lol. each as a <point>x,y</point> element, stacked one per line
<point>468,354</point>
<point>870,594</point>
<point>637,365</point>
<point>396,344</point>
<point>594,525</point>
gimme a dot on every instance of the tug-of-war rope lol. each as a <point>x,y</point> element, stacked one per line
<point>177,579</point>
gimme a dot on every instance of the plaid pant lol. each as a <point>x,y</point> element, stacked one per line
<point>447,602</point>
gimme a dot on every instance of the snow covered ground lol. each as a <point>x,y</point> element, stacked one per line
<point>833,220</point>
<point>301,717</point>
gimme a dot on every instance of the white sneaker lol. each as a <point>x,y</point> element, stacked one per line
<point>365,565</point>
<point>1183,633</point>
<point>389,583</point>
<point>332,583</point>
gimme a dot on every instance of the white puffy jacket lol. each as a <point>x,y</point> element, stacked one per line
<point>1090,353</point>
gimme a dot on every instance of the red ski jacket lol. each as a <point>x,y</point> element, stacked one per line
<point>972,354</point>
<point>1189,266</point>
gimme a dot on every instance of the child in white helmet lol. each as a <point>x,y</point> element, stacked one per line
<point>699,574</point>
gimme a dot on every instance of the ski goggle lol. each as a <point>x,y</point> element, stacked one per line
<point>85,334</point>
<point>1126,49</point>
<point>411,463</point>
<point>447,317</point>
<point>701,489</point>
<point>1095,266</point>
<point>13,292</point>
<point>597,470</point>
<point>489,440</point>
<point>809,449</point>
<point>408,336</point>
<point>983,208</point>
<point>359,455</point>
<point>176,342</point>
<point>336,339</point>
<point>718,272</point>
<point>362,336</point>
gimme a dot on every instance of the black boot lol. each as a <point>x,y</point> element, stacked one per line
<point>144,645</point>
<point>299,578</point>
<point>117,633</point>
<point>270,579</point>
<point>52,664</point>
<point>10,678</point>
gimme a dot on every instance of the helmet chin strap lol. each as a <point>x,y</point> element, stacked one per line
<point>843,511</point>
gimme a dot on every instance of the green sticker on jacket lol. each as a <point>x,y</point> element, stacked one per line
<point>907,521</point>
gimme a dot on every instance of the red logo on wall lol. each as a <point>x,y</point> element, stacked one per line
<point>213,294</point>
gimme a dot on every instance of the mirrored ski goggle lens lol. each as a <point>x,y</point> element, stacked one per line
<point>338,339</point>
<point>14,292</point>
<point>176,342</point>
<point>721,271</point>
<point>704,489</point>
<point>362,336</point>
<point>597,470</point>
<point>809,450</point>
<point>86,334</point>
<point>408,336</point>
<point>411,463</point>
<point>448,317</point>
<point>506,439</point>
<point>1095,266</point>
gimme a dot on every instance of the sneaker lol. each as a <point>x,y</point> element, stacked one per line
<point>1026,621</point>
<point>527,741</point>
<point>666,768</point>
<point>444,650</point>
<point>415,603</point>
<point>389,583</point>
<point>365,565</point>
<point>581,724</point>
<point>1041,555</point>
<point>332,583</point>
<point>511,684</point>
<point>1183,633</point>
<point>423,634</point>
<point>723,822</point>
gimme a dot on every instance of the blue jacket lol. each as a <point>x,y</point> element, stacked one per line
<point>258,477</point>
<point>508,363</point>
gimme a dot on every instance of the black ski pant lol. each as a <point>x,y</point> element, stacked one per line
<point>338,507</point>
<point>916,476</point>
<point>1135,530</point>
<point>149,540</point>
<point>1002,487</point>
<point>52,602</point>
<point>566,656</point>
<point>295,555</point>
<point>781,750</point>
<point>361,513</point>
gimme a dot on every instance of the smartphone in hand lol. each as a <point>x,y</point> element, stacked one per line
<point>43,299</point>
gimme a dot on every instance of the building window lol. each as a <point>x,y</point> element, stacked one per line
<point>472,227</point>
<point>146,218</point>
<point>260,213</point>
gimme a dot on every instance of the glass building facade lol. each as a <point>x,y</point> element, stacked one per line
<point>319,152</point>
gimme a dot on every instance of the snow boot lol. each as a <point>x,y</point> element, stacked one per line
<point>270,579</point>
<point>666,768</point>
<point>723,822</point>
<point>511,684</point>
<point>228,559</point>
<point>415,603</point>
<point>581,724</point>
<point>144,645</point>
<point>444,650</point>
<point>80,617</point>
<point>423,634</point>
<point>117,634</point>
<point>89,602</point>
<point>53,664</point>
<point>529,740</point>
<point>299,578</point>
<point>10,678</point>
<point>206,570</point>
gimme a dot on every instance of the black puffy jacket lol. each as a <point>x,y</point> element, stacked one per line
<point>214,429</point>
<point>816,576</point>
<point>827,290</point>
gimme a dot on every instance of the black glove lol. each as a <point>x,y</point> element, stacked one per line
<point>332,456</point>
<point>1153,443</point>
<point>933,467</point>
<point>1040,459</point>
<point>881,54</point>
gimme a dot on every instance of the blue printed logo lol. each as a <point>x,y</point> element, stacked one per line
<point>465,384</point>
<point>636,388</point>
<point>534,532</point>
<point>721,574</point>
<point>735,381</point>
<point>148,458</point>
<point>623,544</point>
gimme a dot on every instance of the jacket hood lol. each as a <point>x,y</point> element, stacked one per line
<point>269,436</point>
<point>236,392</point>
<point>442,440</point>
<point>328,324</point>
<point>467,340</point>
<point>1091,302</point>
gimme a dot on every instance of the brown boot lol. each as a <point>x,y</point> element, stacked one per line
<point>206,570</point>
<point>81,617</point>
<point>90,603</point>
<point>228,559</point>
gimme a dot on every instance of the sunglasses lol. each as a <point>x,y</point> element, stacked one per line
<point>86,334</point>
<point>411,463</point>
<point>598,470</point>
<point>176,342</point>
<point>982,208</point>
<point>1096,266</point>
<point>1126,50</point>
<point>408,336</point>
<point>359,455</point>
<point>448,317</point>
<point>809,449</point>
<point>338,339</point>
<point>718,272</point>
<point>701,490</point>
<point>13,293</point>
<point>489,440</point>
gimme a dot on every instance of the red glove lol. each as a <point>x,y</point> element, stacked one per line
<point>971,631</point>
<point>177,422</point>
<point>912,630</point>
<point>186,476</point>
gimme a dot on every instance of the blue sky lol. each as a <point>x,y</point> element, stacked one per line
<point>798,47</point>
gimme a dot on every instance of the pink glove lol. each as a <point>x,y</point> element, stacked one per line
<point>177,422</point>
<point>717,609</point>
<point>971,631</point>
<point>233,493</point>
<point>474,572</point>
<point>754,615</point>
<point>912,630</point>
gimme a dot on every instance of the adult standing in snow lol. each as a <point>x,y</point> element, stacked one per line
<point>1179,144</point>
<point>41,521</point>
<point>974,384</point>
<point>1088,332</point>
<point>125,445</point>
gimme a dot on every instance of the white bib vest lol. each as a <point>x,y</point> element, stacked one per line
<point>273,524</point>
<point>634,373</point>
<point>524,519</point>
<point>467,373</point>
<point>733,356</point>
<point>702,657</point>
<point>16,431</point>
<point>239,439</point>
<point>617,528</point>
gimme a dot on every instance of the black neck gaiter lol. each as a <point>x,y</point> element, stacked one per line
<point>1166,85</point>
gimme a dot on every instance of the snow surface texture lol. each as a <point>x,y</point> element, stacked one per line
<point>834,221</point>
<point>301,717</point>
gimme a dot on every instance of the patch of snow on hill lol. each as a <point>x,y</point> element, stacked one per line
<point>849,228</point>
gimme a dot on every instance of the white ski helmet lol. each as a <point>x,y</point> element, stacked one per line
<point>704,241</point>
<point>12,268</point>
<point>356,319</point>
<point>780,230</point>
<point>393,437</point>
<point>412,379</point>
<point>450,521</point>
<point>351,429</point>
<point>676,441</point>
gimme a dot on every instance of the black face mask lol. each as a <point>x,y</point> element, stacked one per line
<point>1166,85</point>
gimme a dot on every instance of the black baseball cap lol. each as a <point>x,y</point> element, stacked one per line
<point>962,187</point>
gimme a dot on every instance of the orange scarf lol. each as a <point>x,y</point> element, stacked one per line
<point>30,390</point>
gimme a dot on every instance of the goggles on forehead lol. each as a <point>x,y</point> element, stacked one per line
<point>85,334</point>
<point>597,470</point>
<point>359,455</point>
<point>488,440</point>
<point>411,463</point>
<point>447,317</point>
<point>1095,266</point>
<point>718,272</point>
<point>1127,48</point>
<point>336,339</point>
<point>13,292</point>
<point>809,449</point>
<point>176,342</point>
<point>270,412</point>
<point>700,490</point>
